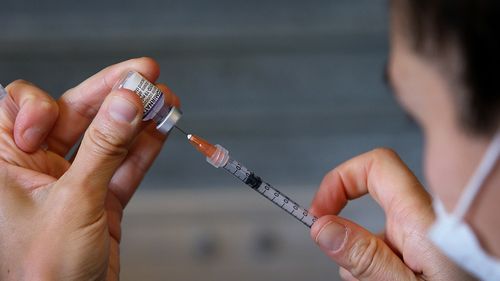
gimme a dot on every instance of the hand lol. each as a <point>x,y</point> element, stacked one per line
<point>403,252</point>
<point>60,220</point>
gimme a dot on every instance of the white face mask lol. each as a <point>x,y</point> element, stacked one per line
<point>454,237</point>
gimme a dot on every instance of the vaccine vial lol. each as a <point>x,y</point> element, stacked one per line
<point>153,99</point>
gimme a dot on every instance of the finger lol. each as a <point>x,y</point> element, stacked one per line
<point>358,251</point>
<point>79,105</point>
<point>170,97</point>
<point>346,275</point>
<point>35,114</point>
<point>105,145</point>
<point>382,236</point>
<point>383,175</point>
<point>141,156</point>
<point>113,272</point>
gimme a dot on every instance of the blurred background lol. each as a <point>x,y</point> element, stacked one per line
<point>292,88</point>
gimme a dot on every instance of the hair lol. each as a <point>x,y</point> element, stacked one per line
<point>474,27</point>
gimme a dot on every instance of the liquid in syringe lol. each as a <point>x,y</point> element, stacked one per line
<point>219,157</point>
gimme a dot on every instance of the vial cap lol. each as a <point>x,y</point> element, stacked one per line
<point>169,121</point>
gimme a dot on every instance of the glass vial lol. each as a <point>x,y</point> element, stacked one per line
<point>153,100</point>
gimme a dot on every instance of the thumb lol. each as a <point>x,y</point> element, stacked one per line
<point>362,254</point>
<point>105,144</point>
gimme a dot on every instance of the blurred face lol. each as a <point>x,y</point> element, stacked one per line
<point>425,88</point>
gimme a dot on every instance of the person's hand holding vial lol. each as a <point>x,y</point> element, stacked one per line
<point>60,219</point>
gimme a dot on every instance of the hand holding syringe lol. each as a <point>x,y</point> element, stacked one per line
<point>218,156</point>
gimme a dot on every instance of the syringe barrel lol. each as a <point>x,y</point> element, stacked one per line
<point>221,159</point>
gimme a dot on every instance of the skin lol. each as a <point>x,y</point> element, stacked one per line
<point>426,91</point>
<point>60,220</point>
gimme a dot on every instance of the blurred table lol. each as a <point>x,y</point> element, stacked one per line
<point>217,234</point>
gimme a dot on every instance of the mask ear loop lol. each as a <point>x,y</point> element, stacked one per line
<point>480,175</point>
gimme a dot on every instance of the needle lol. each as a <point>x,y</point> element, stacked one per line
<point>181,130</point>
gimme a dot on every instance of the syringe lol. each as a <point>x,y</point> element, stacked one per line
<point>218,156</point>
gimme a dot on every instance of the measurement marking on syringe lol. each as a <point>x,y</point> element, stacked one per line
<point>219,157</point>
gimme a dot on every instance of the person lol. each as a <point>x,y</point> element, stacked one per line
<point>443,67</point>
<point>61,219</point>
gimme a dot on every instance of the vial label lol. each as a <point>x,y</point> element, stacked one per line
<point>151,96</point>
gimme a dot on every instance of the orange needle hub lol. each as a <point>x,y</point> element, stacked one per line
<point>202,145</point>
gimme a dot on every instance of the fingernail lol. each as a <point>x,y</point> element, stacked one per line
<point>32,134</point>
<point>122,110</point>
<point>332,236</point>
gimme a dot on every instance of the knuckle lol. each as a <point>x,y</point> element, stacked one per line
<point>362,256</point>
<point>84,109</point>
<point>27,91</point>
<point>49,106</point>
<point>384,153</point>
<point>106,143</point>
<point>22,87</point>
<point>18,87</point>
<point>46,106</point>
<point>19,82</point>
<point>149,61</point>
